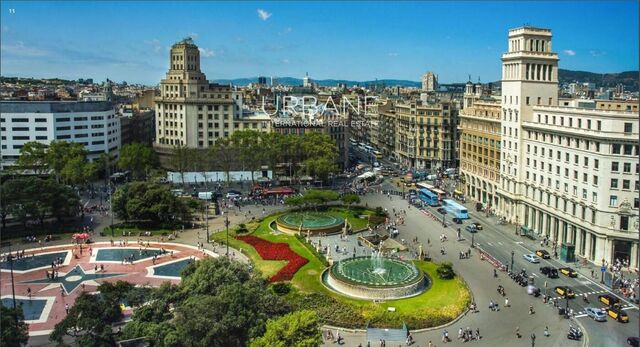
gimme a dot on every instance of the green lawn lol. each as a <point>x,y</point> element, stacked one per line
<point>444,300</point>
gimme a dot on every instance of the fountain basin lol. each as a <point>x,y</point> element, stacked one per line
<point>375,278</point>
<point>313,222</point>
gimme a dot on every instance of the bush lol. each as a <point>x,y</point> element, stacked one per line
<point>380,212</point>
<point>242,229</point>
<point>281,288</point>
<point>445,271</point>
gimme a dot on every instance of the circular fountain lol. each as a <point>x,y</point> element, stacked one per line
<point>376,278</point>
<point>312,222</point>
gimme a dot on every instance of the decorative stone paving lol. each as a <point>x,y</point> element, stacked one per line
<point>83,272</point>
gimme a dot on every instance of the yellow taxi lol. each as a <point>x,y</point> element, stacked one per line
<point>565,292</point>
<point>618,314</point>
<point>567,271</point>
<point>608,300</point>
<point>543,254</point>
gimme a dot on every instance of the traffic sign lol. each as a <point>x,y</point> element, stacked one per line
<point>603,269</point>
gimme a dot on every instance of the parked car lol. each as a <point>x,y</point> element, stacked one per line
<point>479,207</point>
<point>618,314</point>
<point>633,341</point>
<point>565,292</point>
<point>608,300</point>
<point>567,271</point>
<point>549,271</point>
<point>233,194</point>
<point>442,210</point>
<point>543,254</point>
<point>478,225</point>
<point>598,314</point>
<point>471,228</point>
<point>532,258</point>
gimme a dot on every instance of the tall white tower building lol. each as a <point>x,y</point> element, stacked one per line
<point>529,78</point>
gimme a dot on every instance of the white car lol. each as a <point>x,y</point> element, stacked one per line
<point>532,258</point>
<point>233,195</point>
<point>597,314</point>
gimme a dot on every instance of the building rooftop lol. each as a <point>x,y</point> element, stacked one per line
<point>54,106</point>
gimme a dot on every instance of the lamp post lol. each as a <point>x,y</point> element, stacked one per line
<point>512,253</point>
<point>13,287</point>
<point>602,272</point>
<point>473,245</point>
<point>206,219</point>
<point>226,224</point>
<point>516,227</point>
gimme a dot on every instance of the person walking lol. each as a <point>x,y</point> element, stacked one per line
<point>546,331</point>
<point>506,302</point>
<point>66,308</point>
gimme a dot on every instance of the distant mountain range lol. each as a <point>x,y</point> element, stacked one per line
<point>608,80</point>
<point>292,81</point>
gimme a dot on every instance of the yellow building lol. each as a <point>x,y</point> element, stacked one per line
<point>480,147</point>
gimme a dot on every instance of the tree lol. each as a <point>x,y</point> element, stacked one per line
<point>61,153</point>
<point>182,160</point>
<point>14,330</point>
<point>143,201</point>
<point>350,199</point>
<point>33,155</point>
<point>224,154</point>
<point>250,148</point>
<point>299,329</point>
<point>137,158</point>
<point>89,321</point>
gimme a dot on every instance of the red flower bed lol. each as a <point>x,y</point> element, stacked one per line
<point>277,251</point>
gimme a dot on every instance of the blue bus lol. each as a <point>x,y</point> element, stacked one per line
<point>455,209</point>
<point>428,197</point>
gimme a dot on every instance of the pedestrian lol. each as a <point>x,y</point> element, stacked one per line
<point>546,331</point>
<point>29,292</point>
<point>430,344</point>
<point>518,332</point>
<point>506,302</point>
<point>66,308</point>
<point>61,290</point>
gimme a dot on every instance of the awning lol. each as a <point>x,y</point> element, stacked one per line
<point>279,190</point>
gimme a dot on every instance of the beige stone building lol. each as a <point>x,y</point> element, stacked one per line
<point>429,82</point>
<point>194,113</point>
<point>480,146</point>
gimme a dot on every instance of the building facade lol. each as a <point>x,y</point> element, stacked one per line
<point>566,172</point>
<point>429,82</point>
<point>93,124</point>
<point>480,147</point>
<point>192,112</point>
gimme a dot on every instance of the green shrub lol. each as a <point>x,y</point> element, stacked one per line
<point>281,288</point>
<point>242,229</point>
<point>380,212</point>
<point>445,271</point>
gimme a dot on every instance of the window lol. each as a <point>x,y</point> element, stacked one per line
<point>628,149</point>
<point>585,177</point>
<point>586,161</point>
<point>613,201</point>
<point>626,167</point>
<point>628,127</point>
<point>599,125</point>
<point>41,138</point>
<point>596,164</point>
<point>595,180</point>
<point>615,148</point>
<point>614,183</point>
<point>63,119</point>
<point>62,128</point>
<point>626,184</point>
<point>41,120</point>
<point>594,197</point>
<point>576,159</point>
<point>527,100</point>
<point>41,129</point>
<point>615,166</point>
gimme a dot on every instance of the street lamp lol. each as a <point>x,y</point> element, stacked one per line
<point>13,287</point>
<point>226,224</point>
<point>602,272</point>
<point>516,230</point>
<point>473,245</point>
<point>512,253</point>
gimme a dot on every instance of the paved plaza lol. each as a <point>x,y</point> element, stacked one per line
<point>48,278</point>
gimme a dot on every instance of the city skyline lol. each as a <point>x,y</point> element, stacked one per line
<point>241,40</point>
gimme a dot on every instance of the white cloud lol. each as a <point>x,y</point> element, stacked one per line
<point>570,52</point>
<point>19,49</point>
<point>597,53</point>
<point>207,53</point>
<point>264,15</point>
<point>392,54</point>
<point>286,30</point>
<point>285,61</point>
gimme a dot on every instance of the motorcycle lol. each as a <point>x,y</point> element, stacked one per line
<point>574,333</point>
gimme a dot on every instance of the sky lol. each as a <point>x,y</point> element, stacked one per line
<point>330,40</point>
